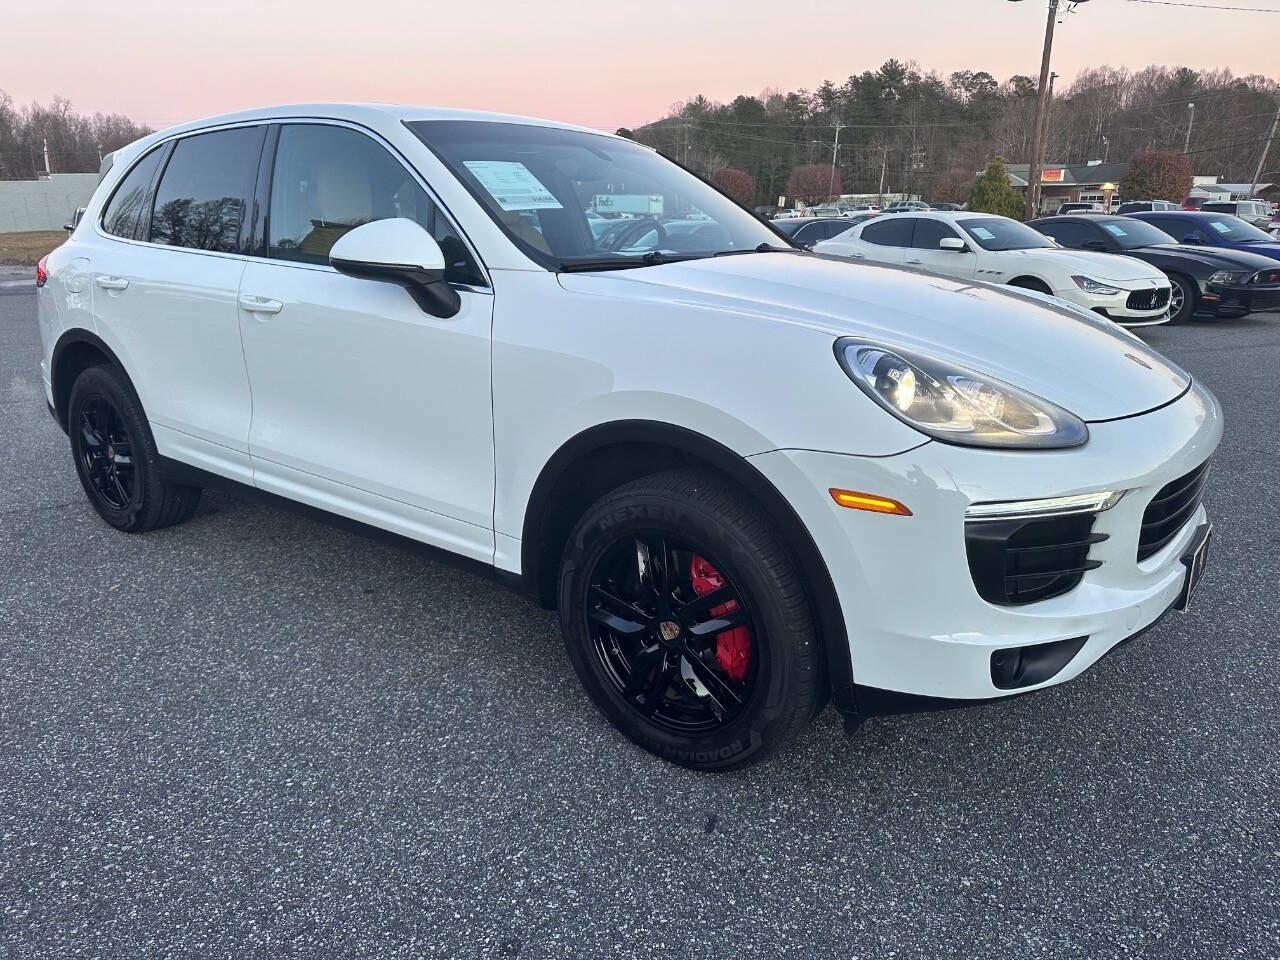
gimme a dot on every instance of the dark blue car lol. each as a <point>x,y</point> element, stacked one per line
<point>1212,230</point>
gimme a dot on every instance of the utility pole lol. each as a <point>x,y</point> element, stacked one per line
<point>1042,100</point>
<point>1191,119</point>
<point>884,163</point>
<point>1266,147</point>
<point>47,170</point>
<point>831,184</point>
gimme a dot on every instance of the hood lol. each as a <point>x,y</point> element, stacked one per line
<point>1099,266</point>
<point>1269,248</point>
<point>1219,258</point>
<point>1066,355</point>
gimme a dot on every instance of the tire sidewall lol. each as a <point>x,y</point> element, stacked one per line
<point>603,526</point>
<point>1189,298</point>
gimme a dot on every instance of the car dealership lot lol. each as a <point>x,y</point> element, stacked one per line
<point>258,733</point>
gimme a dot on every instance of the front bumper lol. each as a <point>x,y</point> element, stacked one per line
<point>1116,307</point>
<point>915,621</point>
<point>1240,298</point>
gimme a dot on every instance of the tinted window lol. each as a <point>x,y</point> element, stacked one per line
<point>810,233</point>
<point>203,197</point>
<point>837,227</point>
<point>929,232</point>
<point>1219,208</point>
<point>1133,234</point>
<point>889,232</point>
<point>1176,227</point>
<point>1069,234</point>
<point>329,180</point>
<point>132,197</point>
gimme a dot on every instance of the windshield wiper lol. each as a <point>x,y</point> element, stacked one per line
<point>621,262</point>
<point>762,248</point>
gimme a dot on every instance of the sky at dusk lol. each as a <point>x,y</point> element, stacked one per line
<point>601,63</point>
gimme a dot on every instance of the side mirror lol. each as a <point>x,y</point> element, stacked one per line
<point>1097,245</point>
<point>1191,238</point>
<point>954,244</point>
<point>398,251</point>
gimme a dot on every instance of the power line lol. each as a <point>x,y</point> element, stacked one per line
<point>1206,6</point>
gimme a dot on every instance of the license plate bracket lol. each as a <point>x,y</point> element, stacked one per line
<point>1195,559</point>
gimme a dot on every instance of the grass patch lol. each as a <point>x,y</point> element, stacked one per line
<point>24,249</point>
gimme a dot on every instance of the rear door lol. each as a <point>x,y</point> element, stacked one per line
<point>165,297</point>
<point>927,255</point>
<point>363,404</point>
<point>887,239</point>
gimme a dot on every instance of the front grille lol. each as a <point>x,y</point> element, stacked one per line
<point>1014,562</point>
<point>1266,277</point>
<point>1170,509</point>
<point>1148,299</point>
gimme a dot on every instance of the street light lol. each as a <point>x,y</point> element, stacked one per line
<point>1037,136</point>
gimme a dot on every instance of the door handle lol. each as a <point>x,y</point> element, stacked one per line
<point>261,305</point>
<point>112,283</point>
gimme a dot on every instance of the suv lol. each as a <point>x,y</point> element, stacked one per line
<point>1145,206</point>
<point>1080,207</point>
<point>1255,212</point>
<point>906,206</point>
<point>732,466</point>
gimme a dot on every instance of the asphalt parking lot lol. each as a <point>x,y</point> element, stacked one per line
<point>258,734</point>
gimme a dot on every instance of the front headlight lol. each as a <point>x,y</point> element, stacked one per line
<point>1090,285</point>
<point>954,404</point>
<point>1226,276</point>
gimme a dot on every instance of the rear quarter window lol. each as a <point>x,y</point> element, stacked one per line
<point>124,215</point>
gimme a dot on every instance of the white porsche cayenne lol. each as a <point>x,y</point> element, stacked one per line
<point>751,478</point>
<point>981,246</point>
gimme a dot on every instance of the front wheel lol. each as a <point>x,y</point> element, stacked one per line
<point>1183,297</point>
<point>686,620</point>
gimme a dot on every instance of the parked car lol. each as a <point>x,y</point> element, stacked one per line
<point>979,246</point>
<point>806,231</point>
<point>1254,212</point>
<point>1194,201</point>
<point>1142,206</point>
<point>1080,207</point>
<point>732,470</point>
<point>906,206</point>
<point>945,206</point>
<point>1213,230</point>
<point>859,208</point>
<point>1224,282</point>
<point>786,214</point>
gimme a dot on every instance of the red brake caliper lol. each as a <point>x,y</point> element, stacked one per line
<point>733,647</point>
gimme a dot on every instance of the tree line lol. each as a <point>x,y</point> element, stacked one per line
<point>914,132</point>
<point>75,143</point>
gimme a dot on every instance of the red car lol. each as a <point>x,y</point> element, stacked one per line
<point>1193,203</point>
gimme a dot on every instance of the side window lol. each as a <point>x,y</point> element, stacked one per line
<point>132,197</point>
<point>891,231</point>
<point>836,227</point>
<point>205,190</point>
<point>929,232</point>
<point>329,180</point>
<point>1069,234</point>
<point>809,233</point>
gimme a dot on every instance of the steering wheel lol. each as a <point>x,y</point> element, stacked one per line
<point>633,231</point>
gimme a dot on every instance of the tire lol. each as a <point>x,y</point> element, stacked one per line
<point>115,456</point>
<point>1186,295</point>
<point>634,573</point>
<point>1030,283</point>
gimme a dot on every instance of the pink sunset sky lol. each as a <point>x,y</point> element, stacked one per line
<point>602,63</point>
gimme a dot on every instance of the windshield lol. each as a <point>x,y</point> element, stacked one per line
<point>1001,233</point>
<point>573,199</point>
<point>1132,234</point>
<point>1234,230</point>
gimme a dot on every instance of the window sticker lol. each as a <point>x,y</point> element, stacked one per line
<point>1114,229</point>
<point>982,233</point>
<point>512,185</point>
<point>1220,226</point>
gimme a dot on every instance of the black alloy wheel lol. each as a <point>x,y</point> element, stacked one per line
<point>115,455</point>
<point>671,633</point>
<point>105,451</point>
<point>688,623</point>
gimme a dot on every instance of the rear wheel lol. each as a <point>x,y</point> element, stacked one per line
<point>686,621</point>
<point>1183,298</point>
<point>116,458</point>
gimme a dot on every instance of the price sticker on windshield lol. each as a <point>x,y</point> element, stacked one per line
<point>512,185</point>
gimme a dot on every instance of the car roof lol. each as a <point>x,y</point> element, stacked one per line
<point>366,114</point>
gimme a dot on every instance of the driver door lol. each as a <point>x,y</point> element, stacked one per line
<point>925,254</point>
<point>363,404</point>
